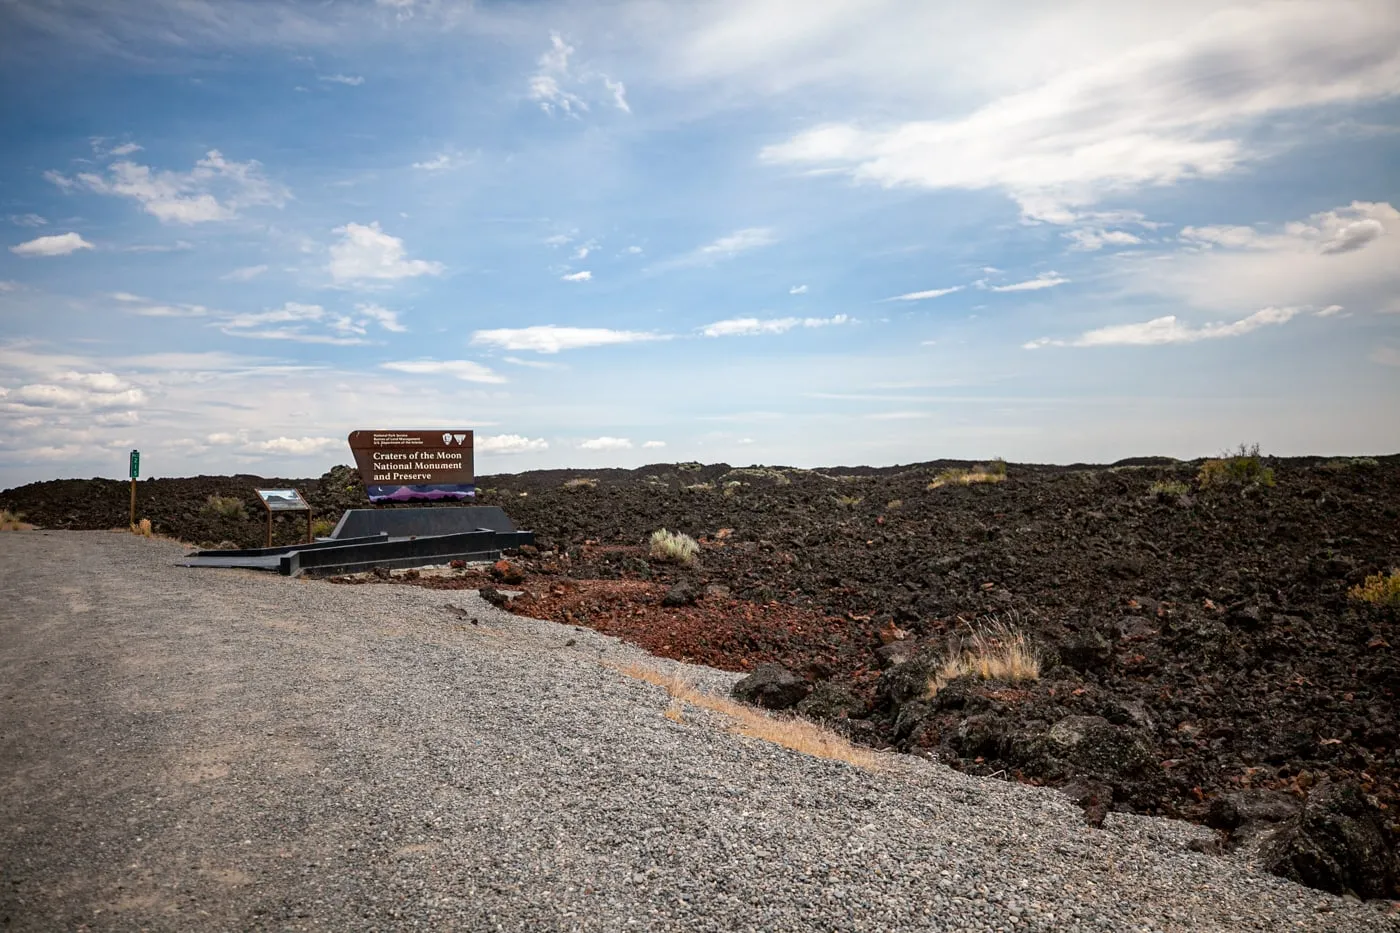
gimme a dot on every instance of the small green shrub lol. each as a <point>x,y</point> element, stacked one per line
<point>227,506</point>
<point>996,468</point>
<point>1168,488</point>
<point>673,547</point>
<point>1241,468</point>
<point>322,527</point>
<point>1342,464</point>
<point>1379,590</point>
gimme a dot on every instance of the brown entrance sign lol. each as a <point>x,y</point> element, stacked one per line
<point>406,466</point>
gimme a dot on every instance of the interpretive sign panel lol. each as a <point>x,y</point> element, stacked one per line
<point>409,466</point>
<point>282,500</point>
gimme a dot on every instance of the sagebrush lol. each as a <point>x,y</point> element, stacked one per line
<point>1379,590</point>
<point>227,506</point>
<point>1243,467</point>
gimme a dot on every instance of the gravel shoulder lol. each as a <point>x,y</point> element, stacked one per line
<point>184,749</point>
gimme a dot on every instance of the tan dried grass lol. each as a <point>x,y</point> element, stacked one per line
<point>143,528</point>
<point>968,477</point>
<point>800,735</point>
<point>674,547</point>
<point>13,521</point>
<point>993,651</point>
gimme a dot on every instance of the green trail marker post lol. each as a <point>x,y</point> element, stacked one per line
<point>135,472</point>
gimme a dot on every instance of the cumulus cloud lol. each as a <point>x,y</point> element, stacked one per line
<point>1153,112</point>
<point>384,317</point>
<point>931,293</point>
<point>1170,330</point>
<point>58,245</point>
<point>76,391</point>
<point>548,338</point>
<point>1090,239</point>
<point>584,276</point>
<point>509,444</point>
<point>466,370</point>
<point>215,189</point>
<point>606,443</point>
<point>367,252</point>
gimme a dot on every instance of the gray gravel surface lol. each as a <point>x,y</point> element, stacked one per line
<point>224,750</point>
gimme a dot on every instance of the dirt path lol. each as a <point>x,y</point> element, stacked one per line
<point>225,751</point>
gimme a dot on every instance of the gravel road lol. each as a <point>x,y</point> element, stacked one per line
<point>223,750</point>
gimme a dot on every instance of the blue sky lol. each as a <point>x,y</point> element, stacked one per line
<point>770,231</point>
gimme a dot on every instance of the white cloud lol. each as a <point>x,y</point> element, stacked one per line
<point>351,80</point>
<point>1386,356</point>
<point>1170,330</point>
<point>1044,280</point>
<point>184,197</point>
<point>466,370</point>
<point>931,293</point>
<point>58,245</point>
<point>27,220</point>
<point>751,326</point>
<point>442,162</point>
<point>1156,110</point>
<point>125,149</point>
<point>225,439</point>
<point>633,250</point>
<point>304,324</point>
<point>548,338</point>
<point>606,443</point>
<point>294,445</point>
<point>76,391</point>
<point>737,242</point>
<point>367,252</point>
<point>1347,256</point>
<point>177,246</point>
<point>1090,239</point>
<point>583,276</point>
<point>384,317</point>
<point>532,364</point>
<point>509,444</point>
<point>558,86</point>
<point>653,445</point>
<point>798,290</point>
<point>244,274</point>
<point>1330,311</point>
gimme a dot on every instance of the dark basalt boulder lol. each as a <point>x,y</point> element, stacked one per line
<point>772,686</point>
<point>829,702</point>
<point>1335,843</point>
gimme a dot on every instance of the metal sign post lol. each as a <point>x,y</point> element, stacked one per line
<point>135,472</point>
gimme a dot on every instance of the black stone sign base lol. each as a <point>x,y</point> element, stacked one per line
<point>390,539</point>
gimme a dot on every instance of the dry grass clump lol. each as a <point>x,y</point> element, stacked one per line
<point>581,482</point>
<point>322,527</point>
<point>227,506</point>
<point>993,651</point>
<point>143,528</point>
<point>673,547</point>
<point>1342,464</point>
<point>13,521</point>
<point>849,502</point>
<point>994,472</point>
<point>799,735</point>
<point>1241,468</point>
<point>1379,590</point>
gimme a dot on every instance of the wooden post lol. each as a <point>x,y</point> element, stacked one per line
<point>133,502</point>
<point>269,528</point>
<point>309,539</point>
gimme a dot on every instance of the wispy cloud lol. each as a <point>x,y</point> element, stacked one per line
<point>558,87</point>
<point>351,80</point>
<point>184,197</point>
<point>653,445</point>
<point>509,444</point>
<point>27,220</point>
<point>548,338</point>
<point>294,445</point>
<point>245,274</point>
<point>1169,330</point>
<point>798,290</point>
<point>752,326</point>
<point>299,323</point>
<point>442,162</point>
<point>583,276</point>
<point>931,293</point>
<point>466,370</point>
<point>1044,280</point>
<point>58,245</point>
